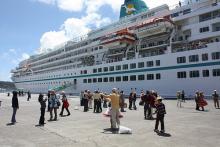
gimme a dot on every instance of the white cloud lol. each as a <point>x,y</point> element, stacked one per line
<point>70,5</point>
<point>47,1</point>
<point>76,27</point>
<point>51,39</point>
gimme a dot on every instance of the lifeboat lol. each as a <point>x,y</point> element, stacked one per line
<point>153,27</point>
<point>120,38</point>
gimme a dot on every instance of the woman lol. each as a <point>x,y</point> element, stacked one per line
<point>201,101</point>
<point>42,102</point>
<point>15,106</point>
<point>65,104</point>
<point>54,105</point>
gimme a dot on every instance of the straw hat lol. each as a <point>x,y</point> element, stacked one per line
<point>159,98</point>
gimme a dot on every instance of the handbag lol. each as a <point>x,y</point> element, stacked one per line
<point>58,103</point>
<point>141,103</point>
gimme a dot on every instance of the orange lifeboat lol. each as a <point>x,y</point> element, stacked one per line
<point>119,38</point>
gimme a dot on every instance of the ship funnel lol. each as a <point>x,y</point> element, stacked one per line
<point>132,7</point>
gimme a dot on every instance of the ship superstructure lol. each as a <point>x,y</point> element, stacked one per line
<point>161,48</point>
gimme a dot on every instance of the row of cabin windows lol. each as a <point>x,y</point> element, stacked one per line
<point>196,73</point>
<point>126,66</point>
<point>124,78</point>
<point>195,58</point>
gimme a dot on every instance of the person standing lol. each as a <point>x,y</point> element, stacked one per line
<point>54,101</point>
<point>178,95</point>
<point>161,111</point>
<point>183,96</point>
<point>201,101</point>
<point>196,100</point>
<point>48,103</point>
<point>96,97</point>
<point>42,102</point>
<point>29,95</point>
<point>15,106</point>
<point>65,104</point>
<point>122,101</point>
<point>85,103</point>
<point>215,97</point>
<point>89,99</point>
<point>114,99</point>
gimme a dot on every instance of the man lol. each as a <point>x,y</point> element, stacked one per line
<point>161,111</point>
<point>215,97</point>
<point>96,96</point>
<point>29,95</point>
<point>114,98</point>
<point>15,106</point>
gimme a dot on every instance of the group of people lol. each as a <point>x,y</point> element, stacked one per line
<point>151,101</point>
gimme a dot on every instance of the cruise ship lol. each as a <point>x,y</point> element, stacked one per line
<point>166,49</point>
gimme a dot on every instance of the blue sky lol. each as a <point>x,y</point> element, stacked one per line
<point>28,27</point>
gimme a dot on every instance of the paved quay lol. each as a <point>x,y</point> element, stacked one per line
<point>185,127</point>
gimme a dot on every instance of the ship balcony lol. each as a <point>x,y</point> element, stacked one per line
<point>118,41</point>
<point>154,47</point>
<point>115,54</point>
<point>145,30</point>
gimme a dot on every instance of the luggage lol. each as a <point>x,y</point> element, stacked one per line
<point>124,130</point>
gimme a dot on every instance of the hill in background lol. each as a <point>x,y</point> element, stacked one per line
<point>8,86</point>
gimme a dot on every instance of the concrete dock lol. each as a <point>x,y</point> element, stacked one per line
<point>185,127</point>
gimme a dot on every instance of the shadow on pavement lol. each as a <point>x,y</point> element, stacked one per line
<point>110,131</point>
<point>164,134</point>
<point>10,124</point>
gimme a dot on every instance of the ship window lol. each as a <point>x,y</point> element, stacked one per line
<point>105,69</point>
<point>99,80</point>
<point>204,29</point>
<point>100,47</point>
<point>133,66</point>
<point>205,57</point>
<point>94,80</point>
<point>125,66</point>
<point>105,79</point>
<point>157,62</point>
<point>181,74</point>
<point>205,17</point>
<point>194,74</point>
<point>181,59</point>
<point>205,73</point>
<point>94,70</point>
<point>111,79</point>
<point>216,55</point>
<point>194,58</point>
<point>140,64</point>
<point>141,77</point>
<point>85,71</point>
<point>99,69</point>
<point>89,80</point>
<point>84,80</point>
<point>216,72</point>
<point>175,14</point>
<point>186,11</point>
<point>133,78</point>
<point>150,63</point>
<point>158,76</point>
<point>125,78</point>
<point>118,79</point>
<point>150,76</point>
<point>111,68</point>
<point>118,67</point>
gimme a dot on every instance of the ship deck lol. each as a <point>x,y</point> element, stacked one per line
<point>185,127</point>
